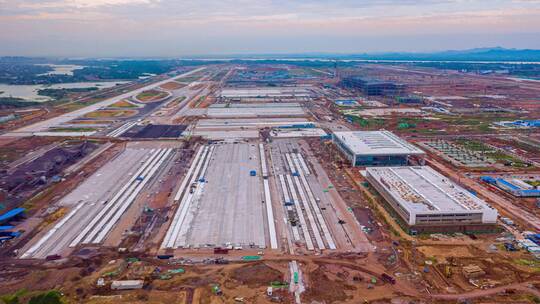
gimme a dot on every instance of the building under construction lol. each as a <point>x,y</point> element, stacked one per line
<point>426,201</point>
<point>376,148</point>
<point>373,87</point>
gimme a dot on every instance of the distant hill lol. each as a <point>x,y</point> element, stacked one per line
<point>479,54</point>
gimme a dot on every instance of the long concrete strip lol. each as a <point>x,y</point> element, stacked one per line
<point>47,236</point>
<point>311,218</point>
<point>127,202</point>
<point>133,189</point>
<point>122,129</point>
<point>181,237</point>
<point>303,163</point>
<point>189,178</point>
<point>188,174</point>
<point>268,201</point>
<point>305,205</point>
<point>304,226</point>
<point>317,210</point>
<point>287,198</point>
<point>106,205</point>
<point>174,230</point>
<point>109,204</point>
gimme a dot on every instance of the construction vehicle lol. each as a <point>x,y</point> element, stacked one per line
<point>216,290</point>
<point>447,271</point>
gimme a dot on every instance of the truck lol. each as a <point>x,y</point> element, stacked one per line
<point>510,247</point>
<point>507,221</point>
<point>53,257</point>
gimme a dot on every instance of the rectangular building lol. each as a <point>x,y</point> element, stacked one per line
<point>373,87</point>
<point>427,201</point>
<point>376,148</point>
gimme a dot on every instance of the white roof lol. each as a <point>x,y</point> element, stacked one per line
<point>420,189</point>
<point>376,143</point>
<point>265,92</point>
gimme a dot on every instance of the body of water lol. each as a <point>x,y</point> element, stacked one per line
<point>30,92</point>
<point>62,69</point>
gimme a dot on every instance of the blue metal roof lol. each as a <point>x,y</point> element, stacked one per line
<point>531,191</point>
<point>508,184</point>
<point>11,213</point>
<point>488,179</point>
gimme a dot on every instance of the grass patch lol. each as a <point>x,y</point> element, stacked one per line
<point>123,104</point>
<point>534,183</point>
<point>72,130</point>
<point>188,78</point>
<point>367,122</point>
<point>533,265</point>
<point>151,95</point>
<point>110,113</point>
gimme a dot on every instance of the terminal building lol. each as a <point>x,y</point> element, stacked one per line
<point>426,201</point>
<point>373,87</point>
<point>376,148</point>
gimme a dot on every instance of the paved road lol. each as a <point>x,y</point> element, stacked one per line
<point>44,125</point>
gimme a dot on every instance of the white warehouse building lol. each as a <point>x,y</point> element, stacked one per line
<point>376,148</point>
<point>427,201</point>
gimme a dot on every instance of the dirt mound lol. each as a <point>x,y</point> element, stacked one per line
<point>323,289</point>
<point>256,274</point>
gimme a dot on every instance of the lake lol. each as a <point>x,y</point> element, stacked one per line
<point>61,69</point>
<point>30,92</point>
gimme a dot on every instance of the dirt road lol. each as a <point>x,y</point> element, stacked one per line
<point>524,287</point>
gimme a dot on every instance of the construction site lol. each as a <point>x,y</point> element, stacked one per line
<point>274,182</point>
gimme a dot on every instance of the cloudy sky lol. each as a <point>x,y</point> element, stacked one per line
<point>173,28</point>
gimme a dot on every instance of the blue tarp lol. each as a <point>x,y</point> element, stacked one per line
<point>507,184</point>
<point>527,123</point>
<point>4,228</point>
<point>531,191</point>
<point>488,179</point>
<point>11,214</point>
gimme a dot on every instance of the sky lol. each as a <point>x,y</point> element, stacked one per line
<point>176,28</point>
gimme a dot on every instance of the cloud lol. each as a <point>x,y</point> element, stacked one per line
<point>118,26</point>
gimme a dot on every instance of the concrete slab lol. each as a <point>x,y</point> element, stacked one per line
<point>230,208</point>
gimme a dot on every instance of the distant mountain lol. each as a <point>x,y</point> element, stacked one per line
<point>479,54</point>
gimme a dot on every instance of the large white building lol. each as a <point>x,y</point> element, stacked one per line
<point>375,148</point>
<point>428,201</point>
